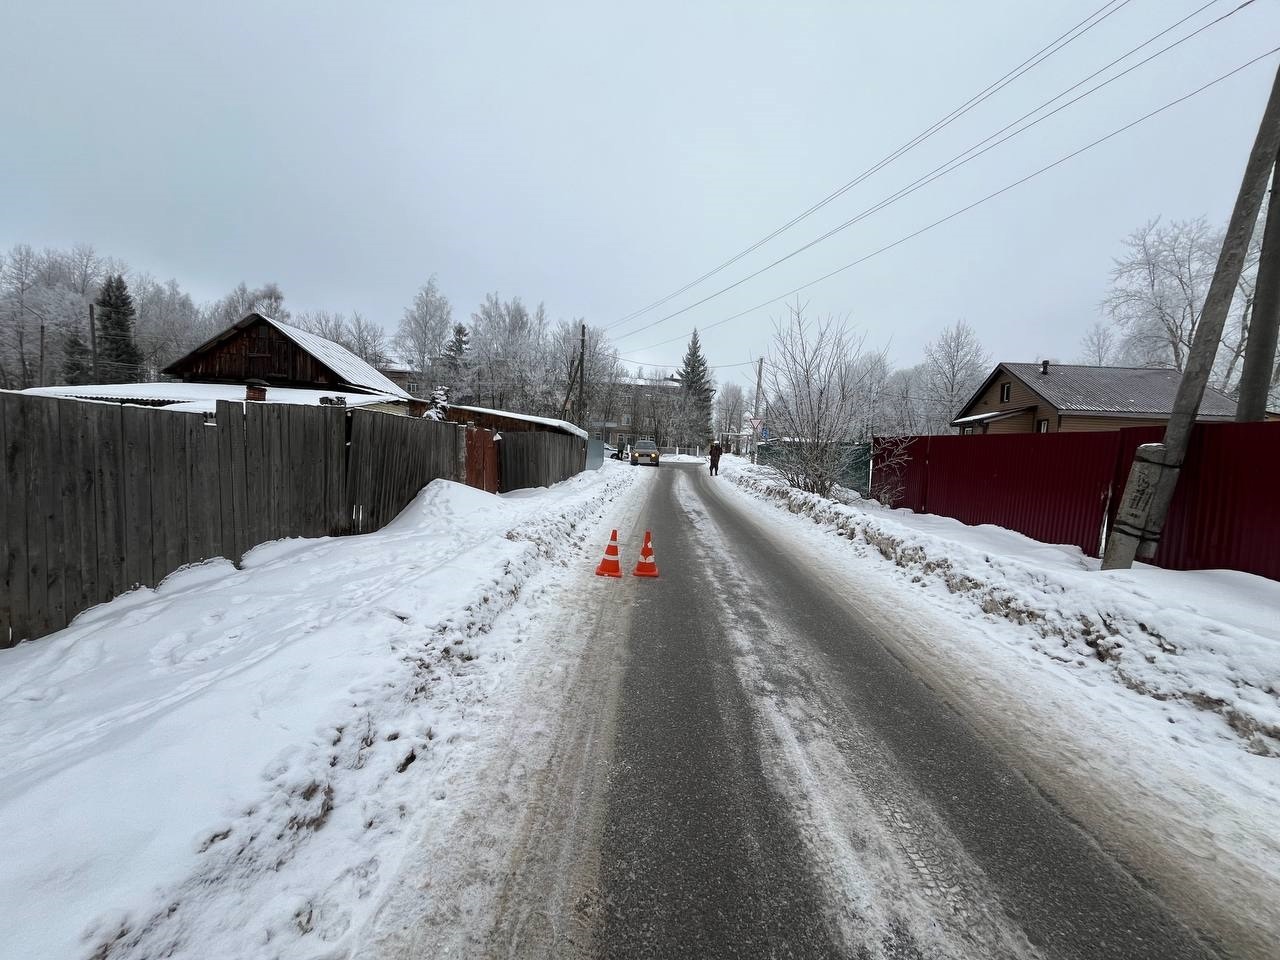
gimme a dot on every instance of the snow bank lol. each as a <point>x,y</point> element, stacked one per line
<point>172,756</point>
<point>1209,639</point>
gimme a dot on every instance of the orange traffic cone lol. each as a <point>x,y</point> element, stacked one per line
<point>609,566</point>
<point>646,567</point>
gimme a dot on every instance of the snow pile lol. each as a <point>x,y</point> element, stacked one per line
<point>1207,639</point>
<point>172,757</point>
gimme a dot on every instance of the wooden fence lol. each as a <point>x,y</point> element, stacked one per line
<point>538,458</point>
<point>98,498</point>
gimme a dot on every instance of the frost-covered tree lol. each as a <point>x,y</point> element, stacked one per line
<point>1158,286</point>
<point>424,329</point>
<point>1098,347</point>
<point>954,365</point>
<point>697,391</point>
<point>817,385</point>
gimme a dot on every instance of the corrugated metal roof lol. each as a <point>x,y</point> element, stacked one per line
<point>1122,391</point>
<point>350,369</point>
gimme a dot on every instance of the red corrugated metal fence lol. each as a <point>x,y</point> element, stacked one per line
<point>1059,488</point>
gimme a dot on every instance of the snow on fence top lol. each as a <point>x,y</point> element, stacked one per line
<point>563,426</point>
<point>201,397</point>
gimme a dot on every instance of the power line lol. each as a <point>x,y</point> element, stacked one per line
<point>991,196</point>
<point>1098,16</point>
<point>971,154</point>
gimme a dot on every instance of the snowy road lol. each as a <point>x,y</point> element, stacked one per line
<point>450,739</point>
<point>741,768</point>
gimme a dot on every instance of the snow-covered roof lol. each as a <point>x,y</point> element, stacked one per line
<point>993,416</point>
<point>350,369</point>
<point>201,397</point>
<point>563,425</point>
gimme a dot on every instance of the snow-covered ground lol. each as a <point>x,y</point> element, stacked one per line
<point>228,765</point>
<point>1147,701</point>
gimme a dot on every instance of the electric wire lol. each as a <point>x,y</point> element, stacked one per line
<point>967,156</point>
<point>1063,40</point>
<point>991,196</point>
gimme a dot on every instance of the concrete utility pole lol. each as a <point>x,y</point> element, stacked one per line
<point>1154,475</point>
<point>1260,349</point>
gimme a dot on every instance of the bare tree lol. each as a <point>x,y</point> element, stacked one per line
<point>816,381</point>
<point>954,364</point>
<point>1099,347</point>
<point>424,328</point>
<point>366,339</point>
<point>1158,287</point>
<point>730,408</point>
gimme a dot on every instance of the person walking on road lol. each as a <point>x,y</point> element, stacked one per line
<point>716,450</point>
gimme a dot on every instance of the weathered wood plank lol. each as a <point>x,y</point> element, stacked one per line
<point>82,526</point>
<point>195,472</point>
<point>256,507</point>
<point>108,500</point>
<point>175,491</point>
<point>139,524</point>
<point>239,482</point>
<point>16,467</point>
<point>51,507</point>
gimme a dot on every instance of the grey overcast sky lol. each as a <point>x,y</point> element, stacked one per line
<point>597,156</point>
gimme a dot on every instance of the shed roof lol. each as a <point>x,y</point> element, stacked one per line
<point>350,370</point>
<point>563,426</point>
<point>1107,391</point>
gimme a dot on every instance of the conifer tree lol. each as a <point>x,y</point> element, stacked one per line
<point>455,351</point>
<point>77,364</point>
<point>696,394</point>
<point>119,358</point>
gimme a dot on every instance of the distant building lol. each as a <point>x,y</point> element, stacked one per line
<point>1051,398</point>
<point>259,359</point>
<point>645,411</point>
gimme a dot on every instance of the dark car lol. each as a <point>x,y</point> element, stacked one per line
<point>645,451</point>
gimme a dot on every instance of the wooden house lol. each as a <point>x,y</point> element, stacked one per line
<point>260,348</point>
<point>1050,398</point>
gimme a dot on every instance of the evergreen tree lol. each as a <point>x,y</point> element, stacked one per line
<point>455,351</point>
<point>696,393</point>
<point>119,358</point>
<point>77,364</point>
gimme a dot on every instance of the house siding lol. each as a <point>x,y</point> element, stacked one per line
<point>258,351</point>
<point>1020,395</point>
<point>1022,423</point>
<point>1079,424</point>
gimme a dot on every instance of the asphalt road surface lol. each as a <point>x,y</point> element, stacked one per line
<point>766,779</point>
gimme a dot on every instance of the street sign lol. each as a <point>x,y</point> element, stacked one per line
<point>755,422</point>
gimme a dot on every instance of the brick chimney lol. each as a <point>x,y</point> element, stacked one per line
<point>255,390</point>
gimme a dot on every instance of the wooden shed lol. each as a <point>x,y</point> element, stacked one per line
<point>260,348</point>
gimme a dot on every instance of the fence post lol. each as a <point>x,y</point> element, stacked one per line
<point>460,452</point>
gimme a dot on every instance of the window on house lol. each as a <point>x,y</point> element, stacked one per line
<point>626,419</point>
<point>1042,426</point>
<point>412,387</point>
<point>1006,389</point>
<point>966,431</point>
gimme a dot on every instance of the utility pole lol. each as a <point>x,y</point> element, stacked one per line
<point>1264,325</point>
<point>755,408</point>
<point>93,344</point>
<point>582,371</point>
<point>1154,475</point>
